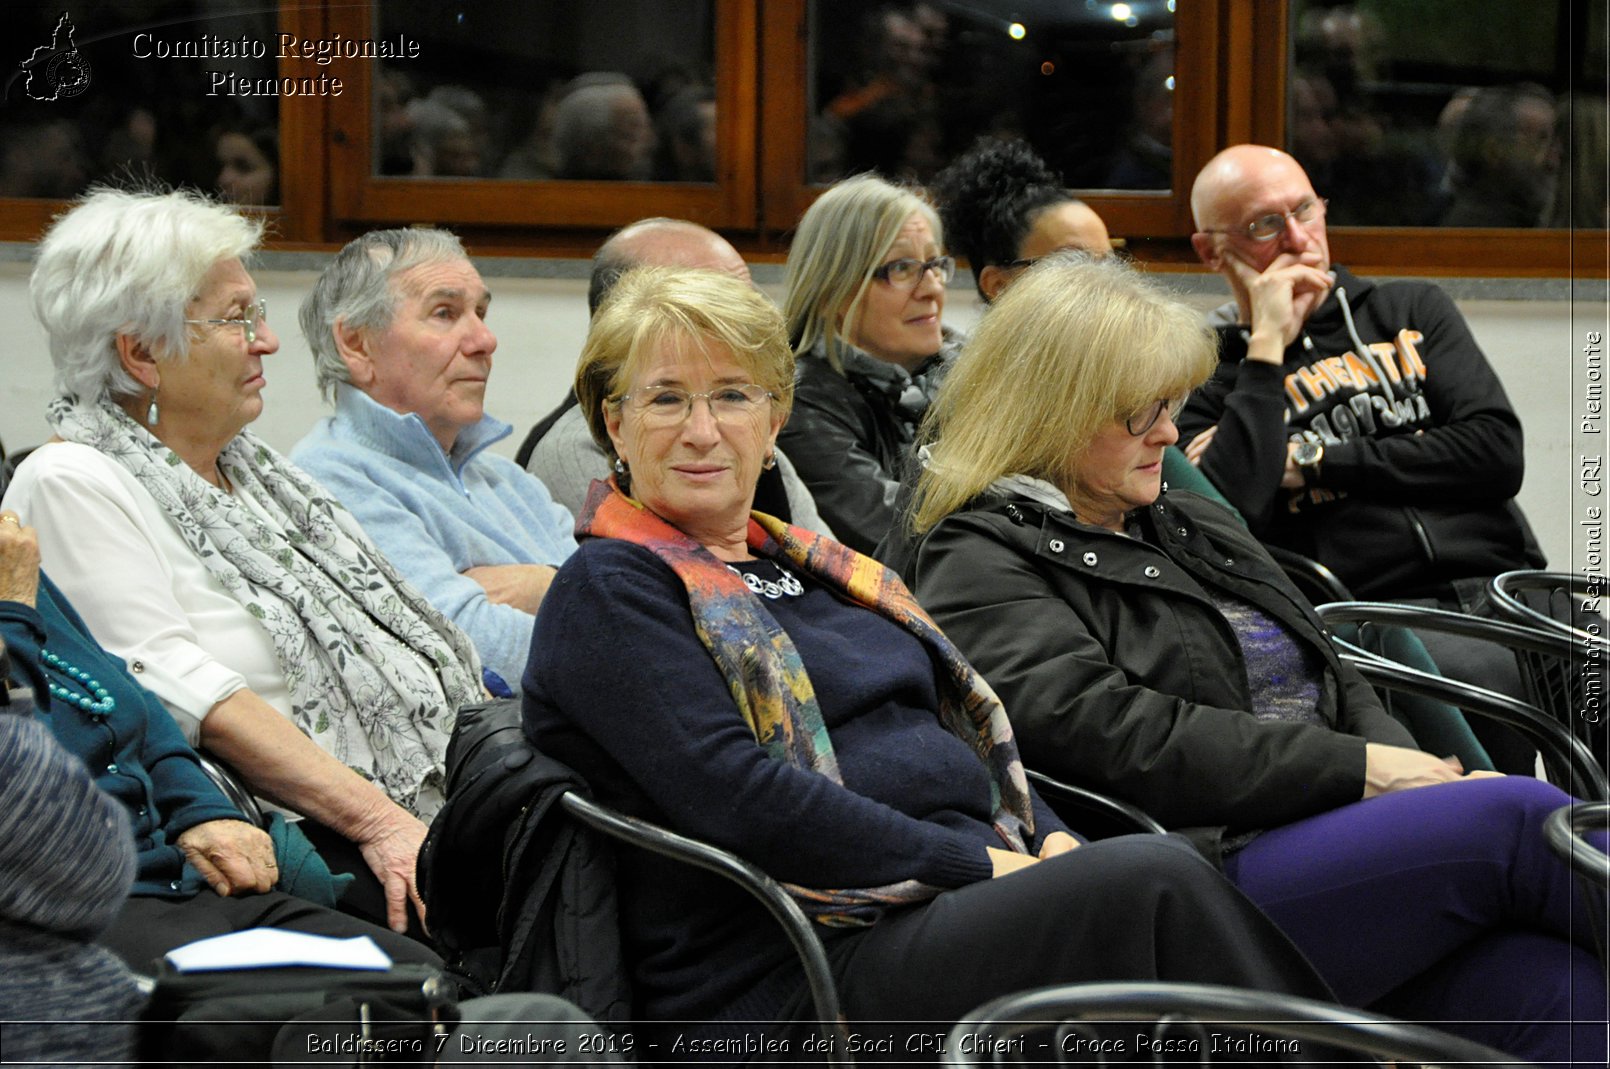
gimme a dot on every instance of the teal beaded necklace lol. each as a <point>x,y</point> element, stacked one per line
<point>102,702</point>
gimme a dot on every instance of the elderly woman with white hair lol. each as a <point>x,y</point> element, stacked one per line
<point>234,587</point>
<point>866,287</point>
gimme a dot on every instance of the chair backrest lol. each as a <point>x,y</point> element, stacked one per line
<point>1574,608</point>
<point>1576,707</point>
<point>477,856</point>
<point>1568,762</point>
<point>1063,1025</point>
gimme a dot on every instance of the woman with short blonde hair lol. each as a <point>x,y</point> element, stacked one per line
<point>650,304</point>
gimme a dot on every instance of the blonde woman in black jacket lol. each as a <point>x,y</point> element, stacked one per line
<point>1144,644</point>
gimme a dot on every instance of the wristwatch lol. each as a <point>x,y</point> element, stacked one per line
<point>1308,456</point>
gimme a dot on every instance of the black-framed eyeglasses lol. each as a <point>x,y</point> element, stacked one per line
<point>908,272</point>
<point>256,313</point>
<point>1092,253</point>
<point>1271,226</point>
<point>1147,418</point>
<point>667,405</point>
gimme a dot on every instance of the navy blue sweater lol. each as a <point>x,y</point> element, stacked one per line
<point>620,688</point>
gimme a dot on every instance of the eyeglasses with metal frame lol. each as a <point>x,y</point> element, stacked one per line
<point>672,404</point>
<point>257,312</point>
<point>1268,227</point>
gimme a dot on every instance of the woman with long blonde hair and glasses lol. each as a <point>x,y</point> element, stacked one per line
<point>1147,646</point>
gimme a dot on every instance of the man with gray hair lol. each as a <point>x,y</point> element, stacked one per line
<point>560,449</point>
<point>397,325</point>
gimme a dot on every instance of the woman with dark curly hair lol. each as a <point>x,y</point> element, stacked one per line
<point>1004,208</point>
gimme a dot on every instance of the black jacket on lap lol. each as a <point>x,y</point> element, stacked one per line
<point>1119,673</point>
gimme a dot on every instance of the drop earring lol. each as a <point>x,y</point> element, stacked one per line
<point>152,412</point>
<point>771,460</point>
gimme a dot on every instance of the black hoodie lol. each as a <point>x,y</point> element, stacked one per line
<point>1423,453</point>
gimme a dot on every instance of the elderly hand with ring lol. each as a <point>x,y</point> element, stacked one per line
<point>19,560</point>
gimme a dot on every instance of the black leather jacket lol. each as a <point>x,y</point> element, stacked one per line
<point>1120,674</point>
<point>850,436</point>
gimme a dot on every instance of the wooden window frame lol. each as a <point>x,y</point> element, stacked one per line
<point>359,197</point>
<point>1232,70</point>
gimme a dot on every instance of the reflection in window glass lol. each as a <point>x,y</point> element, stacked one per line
<point>903,88</point>
<point>180,91</point>
<point>609,90</point>
<point>1473,132</point>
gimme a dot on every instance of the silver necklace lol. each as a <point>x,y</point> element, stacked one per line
<point>785,585</point>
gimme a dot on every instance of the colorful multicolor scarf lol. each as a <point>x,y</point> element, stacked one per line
<point>768,682</point>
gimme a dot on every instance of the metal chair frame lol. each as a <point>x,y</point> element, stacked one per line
<point>1564,830</point>
<point>1569,762</point>
<point>992,1026</point>
<point>1116,811</point>
<point>1317,582</point>
<point>801,932</point>
<point>1571,683</point>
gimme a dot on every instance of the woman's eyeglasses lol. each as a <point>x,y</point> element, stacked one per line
<point>255,313</point>
<point>1147,418</point>
<point>667,405</point>
<point>906,272</point>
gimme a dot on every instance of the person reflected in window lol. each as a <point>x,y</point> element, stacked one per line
<point>866,289</point>
<point>687,125</point>
<point>248,164</point>
<point>602,131</point>
<point>1503,158</point>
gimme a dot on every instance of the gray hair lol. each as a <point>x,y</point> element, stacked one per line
<point>357,289</point>
<point>841,240</point>
<point>126,261</point>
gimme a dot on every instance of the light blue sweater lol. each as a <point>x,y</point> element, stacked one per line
<point>434,515</point>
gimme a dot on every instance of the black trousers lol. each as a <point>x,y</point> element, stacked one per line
<point>1139,907</point>
<point>147,928</point>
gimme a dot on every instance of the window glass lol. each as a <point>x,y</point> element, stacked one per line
<point>181,91</point>
<point>1449,112</point>
<point>608,90</point>
<point>904,88</point>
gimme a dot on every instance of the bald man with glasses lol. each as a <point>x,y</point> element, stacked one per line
<point>1355,423</point>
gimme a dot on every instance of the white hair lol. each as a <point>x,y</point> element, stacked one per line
<point>127,262</point>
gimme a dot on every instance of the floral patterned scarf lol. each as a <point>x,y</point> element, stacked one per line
<point>768,682</point>
<point>375,675</point>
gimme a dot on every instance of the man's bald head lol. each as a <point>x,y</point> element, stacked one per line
<point>1220,194</point>
<point>660,243</point>
<point>1243,185</point>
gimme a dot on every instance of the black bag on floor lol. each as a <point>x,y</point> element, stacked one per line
<point>294,1015</point>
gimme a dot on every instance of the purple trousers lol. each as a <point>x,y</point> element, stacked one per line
<point>1444,905</point>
